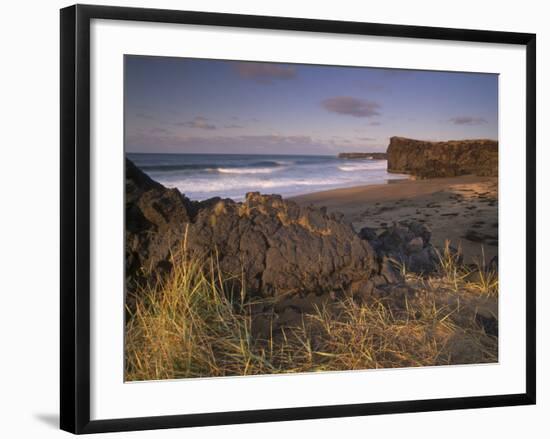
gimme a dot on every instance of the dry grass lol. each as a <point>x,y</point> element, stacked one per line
<point>192,326</point>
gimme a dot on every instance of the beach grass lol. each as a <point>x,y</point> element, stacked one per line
<point>190,326</point>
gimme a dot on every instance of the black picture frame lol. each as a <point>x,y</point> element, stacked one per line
<point>75,217</point>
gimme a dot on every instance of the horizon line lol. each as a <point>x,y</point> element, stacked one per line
<point>237,153</point>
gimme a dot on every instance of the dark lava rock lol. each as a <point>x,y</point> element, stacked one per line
<point>388,272</point>
<point>488,322</point>
<point>368,233</point>
<point>155,222</point>
<point>275,246</point>
<point>443,159</point>
<point>280,247</point>
<point>407,242</point>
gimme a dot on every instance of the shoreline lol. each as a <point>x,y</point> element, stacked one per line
<point>389,190</point>
<point>461,209</point>
<point>204,176</point>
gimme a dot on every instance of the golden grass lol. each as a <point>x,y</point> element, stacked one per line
<point>192,325</point>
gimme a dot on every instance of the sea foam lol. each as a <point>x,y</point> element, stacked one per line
<point>202,176</point>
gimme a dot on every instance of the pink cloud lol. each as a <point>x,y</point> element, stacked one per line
<point>198,122</point>
<point>351,106</point>
<point>467,120</point>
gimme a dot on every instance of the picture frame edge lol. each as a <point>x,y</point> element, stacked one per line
<point>75,218</point>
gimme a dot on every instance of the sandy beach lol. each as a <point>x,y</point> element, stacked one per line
<point>463,209</point>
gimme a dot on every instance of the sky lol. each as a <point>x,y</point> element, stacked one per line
<point>184,105</point>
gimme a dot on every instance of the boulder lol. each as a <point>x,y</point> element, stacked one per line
<point>406,242</point>
<point>155,222</point>
<point>415,245</point>
<point>443,159</point>
<point>368,233</point>
<point>281,248</point>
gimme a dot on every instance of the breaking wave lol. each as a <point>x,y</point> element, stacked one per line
<point>202,176</point>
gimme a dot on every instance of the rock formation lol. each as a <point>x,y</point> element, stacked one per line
<point>443,159</point>
<point>155,222</point>
<point>407,242</point>
<point>282,248</point>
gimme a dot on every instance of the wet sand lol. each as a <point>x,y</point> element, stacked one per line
<point>463,209</point>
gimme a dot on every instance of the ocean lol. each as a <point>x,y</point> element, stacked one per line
<point>202,176</point>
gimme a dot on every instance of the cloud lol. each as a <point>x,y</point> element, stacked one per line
<point>276,139</point>
<point>141,141</point>
<point>264,73</point>
<point>351,106</point>
<point>468,120</point>
<point>366,139</point>
<point>233,125</point>
<point>375,123</point>
<point>198,122</point>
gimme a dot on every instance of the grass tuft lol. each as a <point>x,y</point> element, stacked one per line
<point>191,325</point>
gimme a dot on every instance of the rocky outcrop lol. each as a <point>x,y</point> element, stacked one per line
<point>282,248</point>
<point>406,242</point>
<point>155,222</point>
<point>443,159</point>
<point>363,155</point>
<point>275,246</point>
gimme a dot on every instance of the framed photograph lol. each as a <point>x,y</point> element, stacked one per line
<point>272,218</point>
